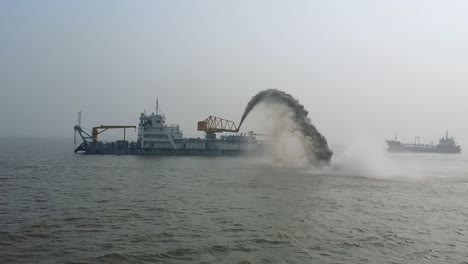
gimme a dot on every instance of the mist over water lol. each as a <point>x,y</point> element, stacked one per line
<point>367,158</point>
<point>314,144</point>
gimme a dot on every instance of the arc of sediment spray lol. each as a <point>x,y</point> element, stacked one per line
<point>317,146</point>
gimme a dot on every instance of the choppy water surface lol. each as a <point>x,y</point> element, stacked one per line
<point>57,207</point>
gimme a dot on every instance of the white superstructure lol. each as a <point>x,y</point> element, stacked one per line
<point>153,132</point>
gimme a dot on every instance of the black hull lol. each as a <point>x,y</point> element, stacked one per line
<point>91,150</point>
<point>167,152</point>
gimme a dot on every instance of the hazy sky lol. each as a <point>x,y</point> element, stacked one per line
<point>369,68</point>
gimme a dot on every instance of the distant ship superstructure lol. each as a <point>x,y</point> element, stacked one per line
<point>446,145</point>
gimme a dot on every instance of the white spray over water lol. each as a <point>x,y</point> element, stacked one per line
<point>362,158</point>
<point>367,157</point>
<point>294,140</point>
<point>293,125</point>
<point>288,146</point>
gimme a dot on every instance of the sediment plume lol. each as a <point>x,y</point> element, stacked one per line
<point>318,152</point>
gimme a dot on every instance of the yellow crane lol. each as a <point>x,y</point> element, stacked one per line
<point>213,124</point>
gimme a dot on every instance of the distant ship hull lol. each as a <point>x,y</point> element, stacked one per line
<point>396,146</point>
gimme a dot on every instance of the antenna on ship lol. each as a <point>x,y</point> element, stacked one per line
<point>79,125</point>
<point>157,105</point>
<point>79,118</point>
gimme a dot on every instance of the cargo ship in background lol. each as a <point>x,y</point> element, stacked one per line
<point>446,145</point>
<point>156,137</point>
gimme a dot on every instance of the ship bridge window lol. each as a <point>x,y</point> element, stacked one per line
<point>158,121</point>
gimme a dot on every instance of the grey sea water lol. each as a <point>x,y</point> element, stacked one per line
<point>58,207</point>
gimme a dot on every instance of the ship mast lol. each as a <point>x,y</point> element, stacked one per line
<point>157,105</point>
<point>79,118</point>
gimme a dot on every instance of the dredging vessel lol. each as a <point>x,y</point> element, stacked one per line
<point>156,137</point>
<point>446,145</point>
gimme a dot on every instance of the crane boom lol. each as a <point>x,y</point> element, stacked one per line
<point>213,124</point>
<point>96,131</point>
